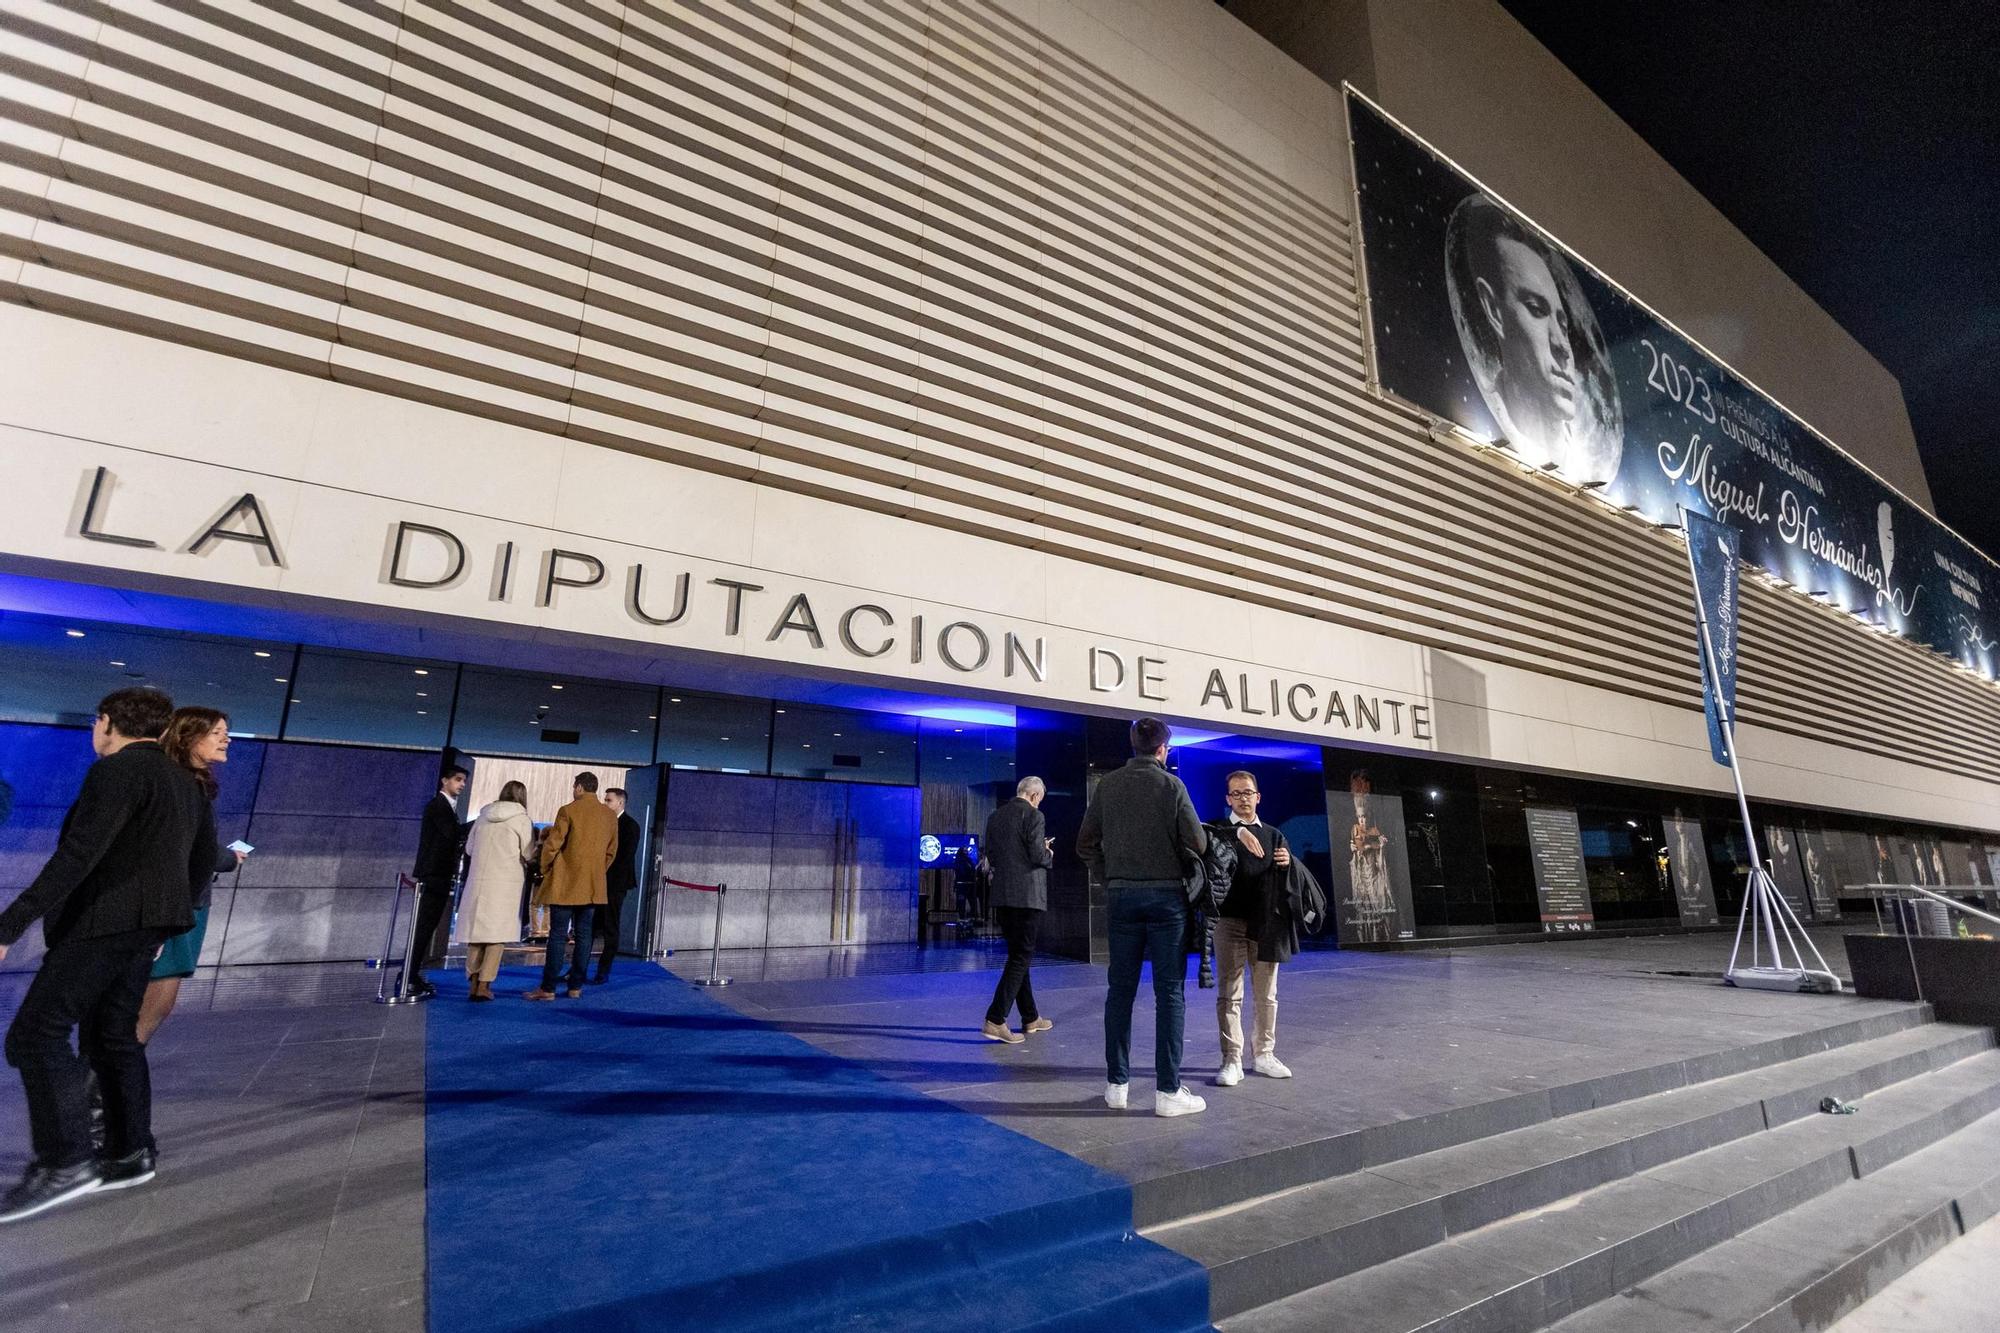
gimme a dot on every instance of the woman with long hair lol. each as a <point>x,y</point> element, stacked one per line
<point>500,845</point>
<point>198,740</point>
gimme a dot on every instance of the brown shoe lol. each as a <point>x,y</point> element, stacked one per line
<point>538,994</point>
<point>999,1032</point>
<point>1039,1025</point>
<point>574,993</point>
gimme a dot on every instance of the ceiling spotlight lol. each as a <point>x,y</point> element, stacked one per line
<point>118,664</point>
<point>555,687</point>
<point>74,633</point>
<point>421,671</point>
<point>1599,484</point>
<point>260,653</point>
<point>1550,466</point>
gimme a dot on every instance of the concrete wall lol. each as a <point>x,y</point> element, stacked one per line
<point>962,309</point>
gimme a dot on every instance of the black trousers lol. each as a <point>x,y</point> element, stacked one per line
<point>1018,926</point>
<point>93,986</point>
<point>607,930</point>
<point>433,902</point>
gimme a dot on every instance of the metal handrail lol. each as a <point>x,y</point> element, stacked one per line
<point>1937,897</point>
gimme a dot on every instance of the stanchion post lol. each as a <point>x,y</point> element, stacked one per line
<point>404,993</point>
<point>401,992</point>
<point>715,946</point>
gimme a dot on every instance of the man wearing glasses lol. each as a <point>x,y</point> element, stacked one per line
<point>1247,937</point>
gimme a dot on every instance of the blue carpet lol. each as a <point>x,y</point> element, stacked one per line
<point>646,1158</point>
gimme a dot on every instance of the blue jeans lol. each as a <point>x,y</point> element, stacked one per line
<point>1146,924</point>
<point>561,920</point>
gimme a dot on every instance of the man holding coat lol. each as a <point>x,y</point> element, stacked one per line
<point>576,852</point>
<point>1020,854</point>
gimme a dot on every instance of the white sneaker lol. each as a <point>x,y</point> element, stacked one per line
<point>1231,1075</point>
<point>1178,1102</point>
<point>1270,1066</point>
<point>1114,1095</point>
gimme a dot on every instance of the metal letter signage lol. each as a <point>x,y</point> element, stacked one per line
<point>1479,318</point>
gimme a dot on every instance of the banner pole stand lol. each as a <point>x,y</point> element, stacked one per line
<point>715,946</point>
<point>401,992</point>
<point>1764,908</point>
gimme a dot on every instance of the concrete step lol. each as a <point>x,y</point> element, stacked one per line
<point>1801,1272</point>
<point>1282,1243</point>
<point>1547,1263</point>
<point>1203,1186</point>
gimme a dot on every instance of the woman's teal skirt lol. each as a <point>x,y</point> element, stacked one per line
<point>180,954</point>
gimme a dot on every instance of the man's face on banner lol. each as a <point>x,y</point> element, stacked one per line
<point>1522,302</point>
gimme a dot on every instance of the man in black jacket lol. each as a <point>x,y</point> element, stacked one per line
<point>1020,855</point>
<point>135,848</point>
<point>1248,935</point>
<point>619,879</point>
<point>1138,835</point>
<point>440,846</point>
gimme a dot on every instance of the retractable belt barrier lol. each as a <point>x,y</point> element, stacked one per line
<point>400,992</point>
<point>720,891</point>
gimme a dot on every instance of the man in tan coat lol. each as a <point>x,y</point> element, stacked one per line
<point>576,851</point>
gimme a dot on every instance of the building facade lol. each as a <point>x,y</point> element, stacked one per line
<point>861,368</point>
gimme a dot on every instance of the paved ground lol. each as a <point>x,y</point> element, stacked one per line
<point>1950,1292</point>
<point>1371,1037</point>
<point>290,1108</point>
<point>291,1187</point>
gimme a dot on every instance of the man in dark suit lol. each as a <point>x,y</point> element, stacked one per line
<point>135,848</point>
<point>440,846</point>
<point>1020,856</point>
<point>619,880</point>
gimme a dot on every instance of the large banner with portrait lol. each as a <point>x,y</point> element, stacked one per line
<point>1482,320</point>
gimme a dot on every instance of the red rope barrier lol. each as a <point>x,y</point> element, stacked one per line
<point>699,888</point>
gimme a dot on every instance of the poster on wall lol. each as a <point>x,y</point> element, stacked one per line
<point>1787,870</point>
<point>1687,862</point>
<point>1816,863</point>
<point>1371,867</point>
<point>1555,844</point>
<point>1480,319</point>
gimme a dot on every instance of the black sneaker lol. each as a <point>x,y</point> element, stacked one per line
<point>42,1189</point>
<point>122,1173</point>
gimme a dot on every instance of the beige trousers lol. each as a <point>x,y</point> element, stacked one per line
<point>482,961</point>
<point>1235,951</point>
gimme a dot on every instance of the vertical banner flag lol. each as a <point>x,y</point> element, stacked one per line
<point>1713,550</point>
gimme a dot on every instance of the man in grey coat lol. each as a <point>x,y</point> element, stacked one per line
<point>1020,855</point>
<point>1138,836</point>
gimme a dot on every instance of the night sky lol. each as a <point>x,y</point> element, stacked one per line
<point>1857,145</point>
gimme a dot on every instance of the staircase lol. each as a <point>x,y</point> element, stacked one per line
<point>1726,1201</point>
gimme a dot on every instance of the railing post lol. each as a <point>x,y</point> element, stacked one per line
<point>715,946</point>
<point>400,993</point>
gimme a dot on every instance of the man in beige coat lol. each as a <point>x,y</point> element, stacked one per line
<point>576,851</point>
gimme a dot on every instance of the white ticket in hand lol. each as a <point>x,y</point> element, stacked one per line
<point>241,847</point>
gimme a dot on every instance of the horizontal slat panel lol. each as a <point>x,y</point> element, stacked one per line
<point>909,255</point>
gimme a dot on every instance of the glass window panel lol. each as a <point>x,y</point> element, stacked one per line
<point>398,702</point>
<point>720,732</point>
<point>844,744</point>
<point>55,670</point>
<point>967,754</point>
<point>533,714</point>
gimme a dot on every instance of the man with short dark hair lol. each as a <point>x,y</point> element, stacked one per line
<point>135,848</point>
<point>576,856</point>
<point>1138,835</point>
<point>440,847</point>
<point>1020,854</point>
<point>618,881</point>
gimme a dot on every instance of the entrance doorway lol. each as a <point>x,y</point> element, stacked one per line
<point>807,861</point>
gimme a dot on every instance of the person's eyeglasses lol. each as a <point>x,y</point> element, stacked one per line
<point>1238,795</point>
